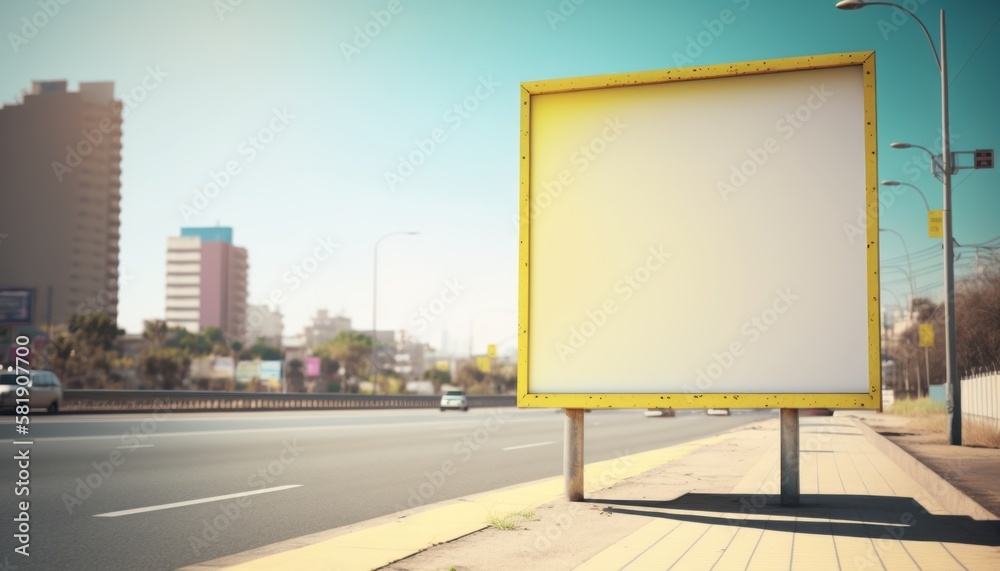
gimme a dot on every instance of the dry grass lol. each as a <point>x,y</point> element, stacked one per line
<point>509,520</point>
<point>930,417</point>
<point>933,422</point>
<point>916,407</point>
<point>981,434</point>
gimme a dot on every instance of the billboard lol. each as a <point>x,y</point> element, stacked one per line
<point>312,366</point>
<point>701,237</point>
<point>16,306</point>
<point>246,371</point>
<point>270,370</point>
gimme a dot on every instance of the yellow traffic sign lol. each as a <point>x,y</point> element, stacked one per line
<point>483,363</point>
<point>926,335</point>
<point>935,224</point>
<point>442,365</point>
<point>491,350</point>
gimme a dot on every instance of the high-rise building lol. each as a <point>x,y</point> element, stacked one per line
<point>206,281</point>
<point>60,156</point>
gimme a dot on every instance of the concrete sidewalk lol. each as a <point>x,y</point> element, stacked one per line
<point>711,504</point>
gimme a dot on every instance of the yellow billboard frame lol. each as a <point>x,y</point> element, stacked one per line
<point>870,400</point>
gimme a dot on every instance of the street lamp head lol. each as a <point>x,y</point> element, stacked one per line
<point>891,183</point>
<point>850,4</point>
<point>900,145</point>
<point>412,233</point>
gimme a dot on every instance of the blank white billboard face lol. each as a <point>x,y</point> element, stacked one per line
<point>700,237</point>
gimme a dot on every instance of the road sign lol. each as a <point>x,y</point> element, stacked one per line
<point>983,159</point>
<point>16,305</point>
<point>442,365</point>
<point>675,257</point>
<point>926,332</point>
<point>483,363</point>
<point>491,350</point>
<point>935,224</point>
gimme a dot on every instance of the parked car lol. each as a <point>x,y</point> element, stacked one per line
<point>717,412</point>
<point>660,412</point>
<point>44,388</point>
<point>455,400</point>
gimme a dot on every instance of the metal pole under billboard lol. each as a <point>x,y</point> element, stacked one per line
<point>573,454</point>
<point>789,457</point>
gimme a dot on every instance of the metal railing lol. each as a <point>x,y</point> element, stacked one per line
<point>75,400</point>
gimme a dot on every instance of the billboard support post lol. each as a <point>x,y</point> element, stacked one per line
<point>573,454</point>
<point>789,457</point>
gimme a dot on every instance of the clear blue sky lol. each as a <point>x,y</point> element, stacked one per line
<point>323,176</point>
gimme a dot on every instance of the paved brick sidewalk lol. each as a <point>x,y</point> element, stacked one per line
<point>859,511</point>
<point>711,504</point>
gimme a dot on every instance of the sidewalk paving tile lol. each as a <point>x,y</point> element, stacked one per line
<point>859,510</point>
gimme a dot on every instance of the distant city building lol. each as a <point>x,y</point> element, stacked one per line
<point>206,281</point>
<point>412,360</point>
<point>60,157</point>
<point>325,328</point>
<point>262,323</point>
<point>295,347</point>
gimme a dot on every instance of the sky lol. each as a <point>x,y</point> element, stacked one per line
<point>302,113</point>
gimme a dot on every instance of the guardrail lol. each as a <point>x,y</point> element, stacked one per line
<point>76,400</point>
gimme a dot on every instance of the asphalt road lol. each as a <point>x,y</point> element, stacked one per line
<point>101,486</point>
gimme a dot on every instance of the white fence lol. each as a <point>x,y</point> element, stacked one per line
<point>981,399</point>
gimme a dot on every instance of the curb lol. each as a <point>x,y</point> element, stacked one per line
<point>950,497</point>
<point>390,538</point>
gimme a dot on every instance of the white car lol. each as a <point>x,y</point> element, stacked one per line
<point>455,400</point>
<point>717,412</point>
<point>43,386</point>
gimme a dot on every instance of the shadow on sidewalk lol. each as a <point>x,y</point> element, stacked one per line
<point>886,517</point>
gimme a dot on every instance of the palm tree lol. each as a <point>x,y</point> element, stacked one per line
<point>155,332</point>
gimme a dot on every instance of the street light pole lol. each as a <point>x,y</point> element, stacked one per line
<point>897,183</point>
<point>375,304</point>
<point>909,274</point>
<point>951,362</point>
<point>950,335</point>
